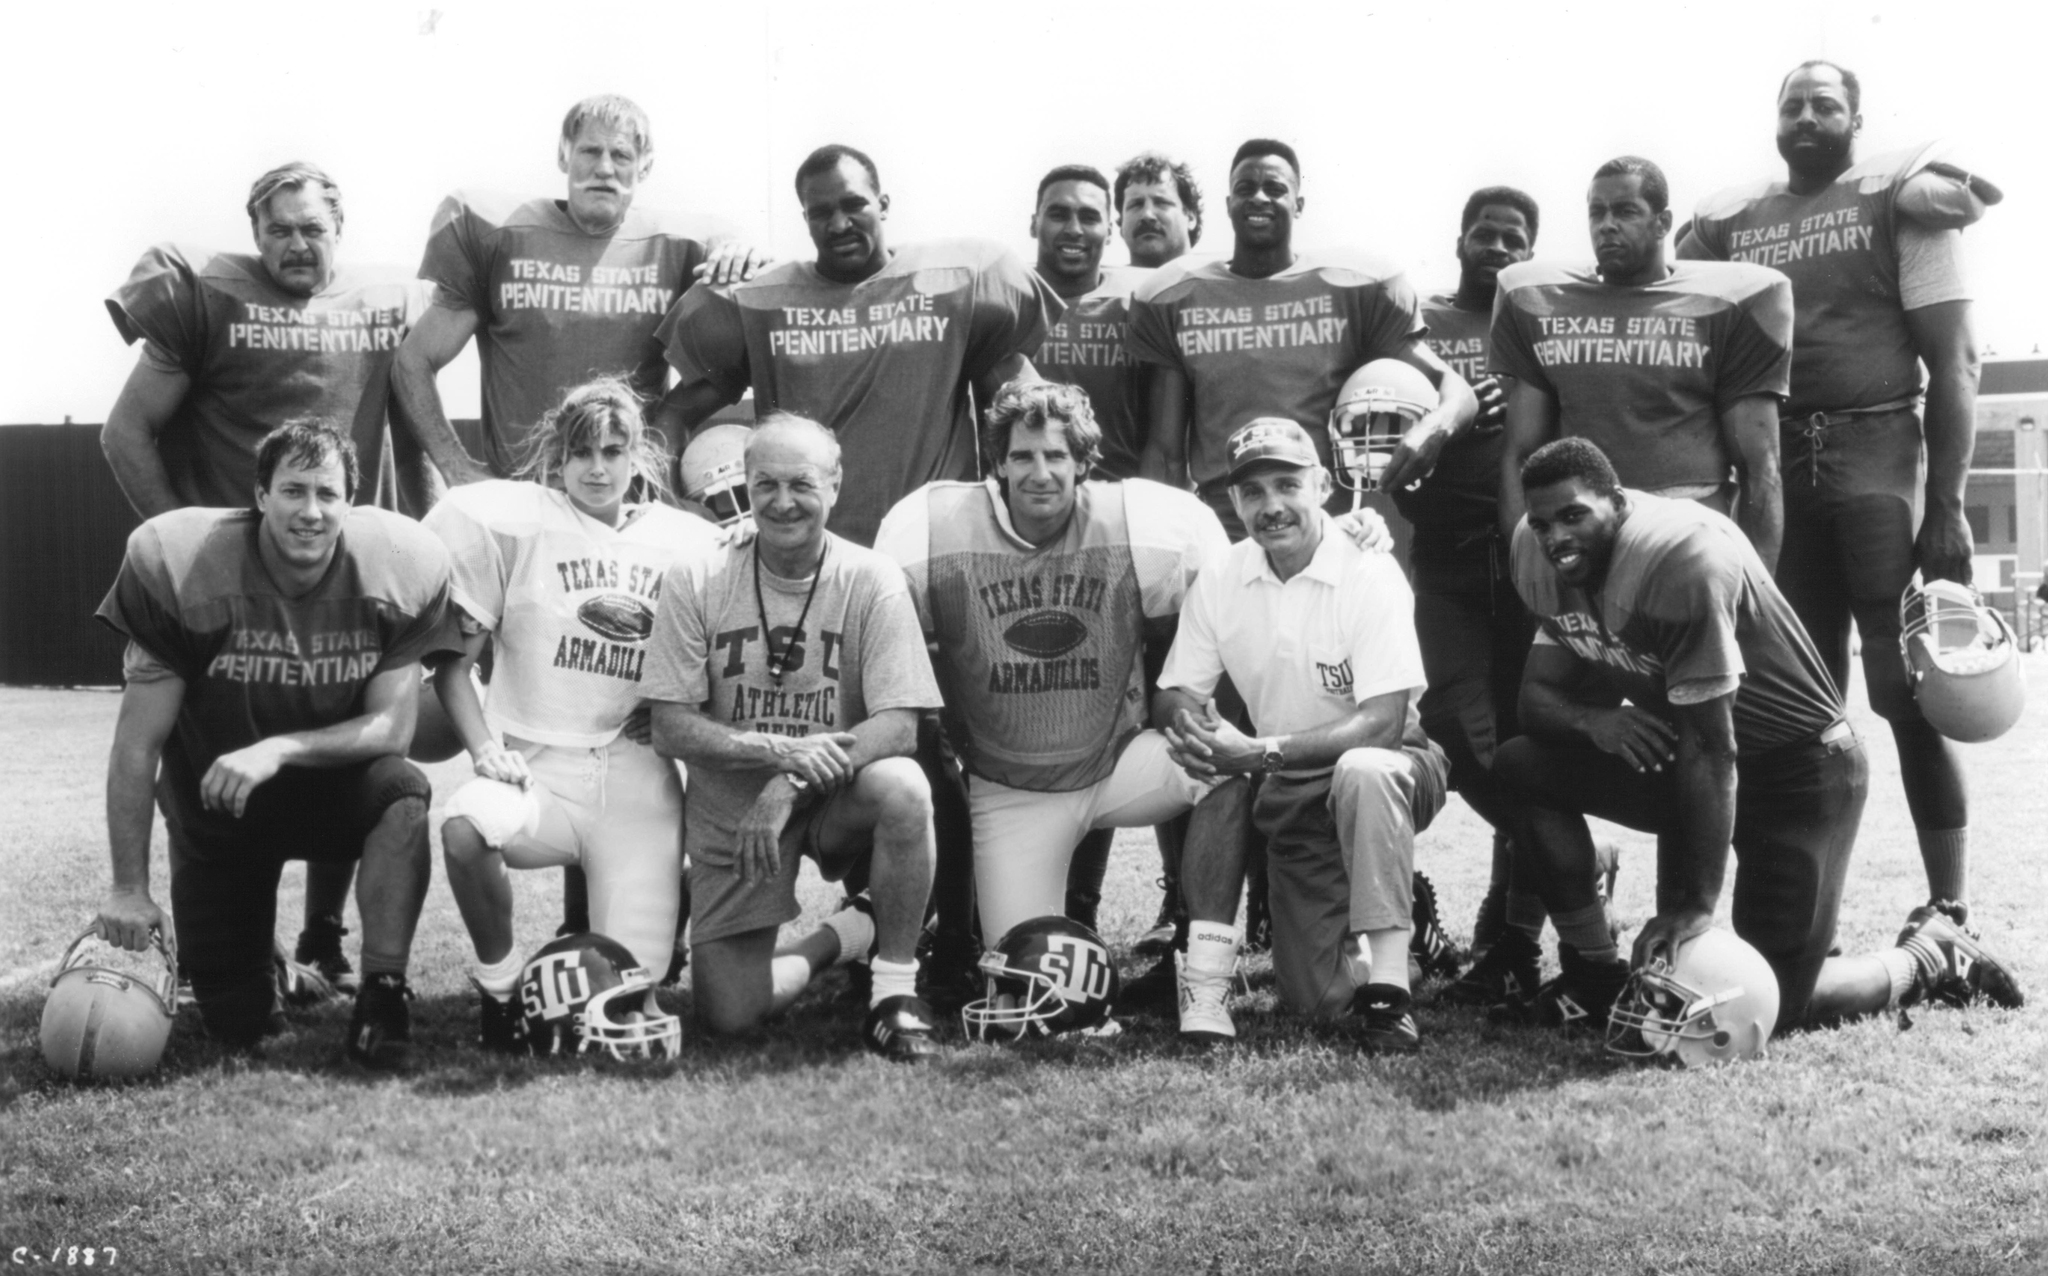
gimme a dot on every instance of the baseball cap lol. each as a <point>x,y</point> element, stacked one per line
<point>1270,440</point>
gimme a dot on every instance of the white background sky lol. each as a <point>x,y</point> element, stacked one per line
<point>140,123</point>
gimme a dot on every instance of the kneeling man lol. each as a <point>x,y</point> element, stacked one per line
<point>1319,636</point>
<point>1733,733</point>
<point>272,671</point>
<point>788,674</point>
<point>1040,591</point>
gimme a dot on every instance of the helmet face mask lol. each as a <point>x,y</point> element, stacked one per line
<point>714,472</point>
<point>1049,975</point>
<point>102,1024</point>
<point>585,994</point>
<point>1717,1003</point>
<point>1961,662</point>
<point>1374,410</point>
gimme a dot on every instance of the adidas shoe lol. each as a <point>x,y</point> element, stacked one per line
<point>901,1030</point>
<point>298,984</point>
<point>380,1031</point>
<point>1583,992</point>
<point>503,1023</point>
<point>1387,1020</point>
<point>1430,943</point>
<point>1510,972</point>
<point>319,946</point>
<point>1955,969</point>
<point>1204,1014</point>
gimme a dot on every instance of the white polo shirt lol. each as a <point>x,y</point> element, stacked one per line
<point>1306,651</point>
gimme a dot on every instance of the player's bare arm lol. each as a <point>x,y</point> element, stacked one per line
<point>1562,701</point>
<point>1749,427</point>
<point>1206,744</point>
<point>684,732</point>
<point>488,754</point>
<point>390,708</point>
<point>684,408</point>
<point>149,711</point>
<point>1457,407</point>
<point>1531,422</point>
<point>432,344</point>
<point>1006,370</point>
<point>1165,458</point>
<point>1946,341</point>
<point>1692,865</point>
<point>148,401</point>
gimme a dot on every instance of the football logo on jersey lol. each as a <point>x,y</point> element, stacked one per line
<point>619,617</point>
<point>1045,635</point>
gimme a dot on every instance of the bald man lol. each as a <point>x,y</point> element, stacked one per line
<point>789,673</point>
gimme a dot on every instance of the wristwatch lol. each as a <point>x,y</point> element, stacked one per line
<point>1270,757</point>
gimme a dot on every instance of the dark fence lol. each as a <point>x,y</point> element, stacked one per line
<point>63,526</point>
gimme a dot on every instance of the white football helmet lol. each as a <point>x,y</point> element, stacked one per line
<point>1048,975</point>
<point>714,470</point>
<point>1716,1002</point>
<point>1374,409</point>
<point>104,1024</point>
<point>1961,662</point>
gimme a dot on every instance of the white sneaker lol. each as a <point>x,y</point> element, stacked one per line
<point>1204,1016</point>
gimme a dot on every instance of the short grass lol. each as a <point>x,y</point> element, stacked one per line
<point>1865,1149</point>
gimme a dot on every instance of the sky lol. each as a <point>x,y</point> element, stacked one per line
<point>147,122</point>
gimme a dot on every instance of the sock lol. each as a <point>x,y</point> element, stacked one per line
<point>892,979</point>
<point>1212,947</point>
<point>856,931</point>
<point>1526,913</point>
<point>1390,956</point>
<point>1904,969</point>
<point>498,978</point>
<point>1585,929</point>
<point>1946,855</point>
<point>787,978</point>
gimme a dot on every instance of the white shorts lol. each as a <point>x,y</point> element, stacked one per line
<point>1023,840</point>
<point>617,811</point>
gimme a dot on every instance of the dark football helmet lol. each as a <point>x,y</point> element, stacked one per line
<point>101,1023</point>
<point>1049,975</point>
<point>585,993</point>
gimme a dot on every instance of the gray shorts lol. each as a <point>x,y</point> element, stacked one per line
<point>722,906</point>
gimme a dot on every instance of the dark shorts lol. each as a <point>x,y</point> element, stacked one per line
<point>224,872</point>
<point>1475,634</point>
<point>1797,808</point>
<point>722,906</point>
<point>1854,487</point>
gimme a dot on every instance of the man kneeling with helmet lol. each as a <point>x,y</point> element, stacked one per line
<point>1732,734</point>
<point>1039,591</point>
<point>271,671</point>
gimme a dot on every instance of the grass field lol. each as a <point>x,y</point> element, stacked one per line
<point>1865,1149</point>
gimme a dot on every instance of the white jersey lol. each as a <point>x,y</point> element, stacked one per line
<point>570,601</point>
<point>1040,645</point>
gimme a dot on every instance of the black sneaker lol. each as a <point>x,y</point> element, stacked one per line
<point>1387,1021</point>
<point>1510,972</point>
<point>1954,968</point>
<point>1429,943</point>
<point>1159,940</point>
<point>380,1031</point>
<point>901,1030</point>
<point>1583,992</point>
<point>504,1025</point>
<point>319,946</point>
<point>1157,990</point>
<point>949,974</point>
<point>298,984</point>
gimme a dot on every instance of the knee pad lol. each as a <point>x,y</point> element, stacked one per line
<point>499,811</point>
<point>392,779</point>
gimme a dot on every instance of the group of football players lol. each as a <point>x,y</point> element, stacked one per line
<point>1012,557</point>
